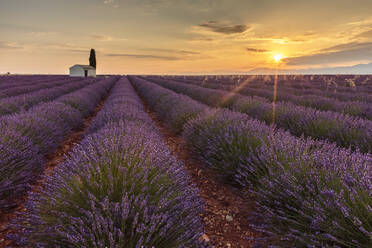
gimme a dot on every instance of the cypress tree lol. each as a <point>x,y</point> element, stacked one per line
<point>92,58</point>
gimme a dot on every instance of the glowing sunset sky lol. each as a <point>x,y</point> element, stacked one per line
<point>183,36</point>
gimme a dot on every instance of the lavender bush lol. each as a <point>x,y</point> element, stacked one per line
<point>352,108</point>
<point>346,131</point>
<point>175,109</point>
<point>61,115</point>
<point>120,187</point>
<point>41,131</point>
<point>20,164</point>
<point>344,88</point>
<point>122,105</point>
<point>308,193</point>
<point>23,102</point>
<point>28,88</point>
<point>26,137</point>
<point>87,98</point>
<point>224,140</point>
<point>8,82</point>
<point>126,191</point>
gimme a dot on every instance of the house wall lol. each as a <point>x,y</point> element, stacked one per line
<point>79,72</point>
<point>76,72</point>
<point>91,73</point>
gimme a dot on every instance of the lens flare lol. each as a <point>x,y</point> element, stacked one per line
<point>278,57</point>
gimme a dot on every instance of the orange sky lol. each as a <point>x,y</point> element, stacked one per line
<point>183,36</point>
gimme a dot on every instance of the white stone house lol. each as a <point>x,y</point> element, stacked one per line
<point>82,71</point>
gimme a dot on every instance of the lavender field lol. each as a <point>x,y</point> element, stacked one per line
<point>105,161</point>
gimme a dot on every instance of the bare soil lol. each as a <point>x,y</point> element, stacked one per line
<point>52,161</point>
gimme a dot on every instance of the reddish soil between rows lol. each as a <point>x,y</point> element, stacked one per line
<point>52,161</point>
<point>226,211</point>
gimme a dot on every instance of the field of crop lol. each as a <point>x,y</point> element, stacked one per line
<point>186,161</point>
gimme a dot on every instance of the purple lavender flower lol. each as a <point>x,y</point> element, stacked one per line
<point>120,187</point>
<point>27,136</point>
<point>308,193</point>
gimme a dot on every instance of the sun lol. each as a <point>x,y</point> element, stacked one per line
<point>278,57</point>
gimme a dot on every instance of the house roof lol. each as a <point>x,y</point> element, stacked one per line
<point>85,67</point>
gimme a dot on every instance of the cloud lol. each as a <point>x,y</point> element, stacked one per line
<point>342,53</point>
<point>143,56</point>
<point>188,52</point>
<point>9,46</point>
<point>42,33</point>
<point>78,50</point>
<point>309,33</point>
<point>255,50</point>
<point>65,47</point>
<point>174,51</point>
<point>347,46</point>
<point>106,38</point>
<point>221,28</point>
<point>112,3</point>
<point>101,37</point>
<point>353,69</point>
<point>365,34</point>
<point>202,39</point>
<point>27,28</point>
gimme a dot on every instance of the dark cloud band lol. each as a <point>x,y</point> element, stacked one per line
<point>224,29</point>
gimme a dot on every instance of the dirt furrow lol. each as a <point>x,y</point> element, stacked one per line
<point>226,210</point>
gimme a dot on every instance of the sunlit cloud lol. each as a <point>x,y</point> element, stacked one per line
<point>343,53</point>
<point>62,47</point>
<point>365,34</point>
<point>348,46</point>
<point>174,51</point>
<point>21,27</point>
<point>42,33</point>
<point>107,38</point>
<point>10,46</point>
<point>362,22</point>
<point>113,3</point>
<point>142,56</point>
<point>84,51</point>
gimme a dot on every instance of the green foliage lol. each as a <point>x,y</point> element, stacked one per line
<point>92,58</point>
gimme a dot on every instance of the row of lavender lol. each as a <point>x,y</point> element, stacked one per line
<point>14,80</point>
<point>352,108</point>
<point>334,92</point>
<point>339,83</point>
<point>23,80</point>
<point>357,94</point>
<point>25,138</point>
<point>120,187</point>
<point>308,193</point>
<point>345,130</point>
<point>358,108</point>
<point>23,102</point>
<point>22,89</point>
